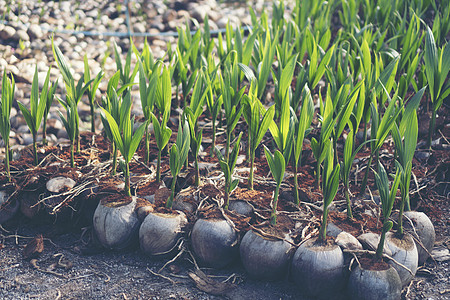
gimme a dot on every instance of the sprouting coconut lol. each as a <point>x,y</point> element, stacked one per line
<point>160,232</point>
<point>374,282</point>
<point>265,258</point>
<point>424,229</point>
<point>116,222</point>
<point>404,251</point>
<point>374,279</point>
<point>215,242</point>
<point>318,264</point>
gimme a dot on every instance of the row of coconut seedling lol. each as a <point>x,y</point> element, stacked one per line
<point>219,84</point>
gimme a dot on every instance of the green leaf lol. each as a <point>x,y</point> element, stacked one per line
<point>137,137</point>
<point>174,160</point>
<point>114,128</point>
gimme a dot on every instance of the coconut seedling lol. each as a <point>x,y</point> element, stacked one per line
<point>147,93</point>
<point>162,131</point>
<point>125,140</point>
<point>34,115</point>
<point>379,131</point>
<point>320,257</point>
<point>178,155</point>
<point>257,126</point>
<point>73,92</point>
<point>116,107</point>
<point>70,124</point>
<point>8,87</point>
<point>277,167</point>
<point>302,124</point>
<point>382,282</point>
<point>126,76</point>
<point>192,113</point>
<point>49,102</point>
<point>346,166</point>
<point>319,148</point>
<point>437,67</point>
<point>92,89</point>
<point>214,104</point>
<point>228,166</point>
<point>230,98</point>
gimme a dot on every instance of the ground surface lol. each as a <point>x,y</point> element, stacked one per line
<point>62,272</point>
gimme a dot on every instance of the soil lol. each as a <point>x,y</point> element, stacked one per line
<point>370,263</point>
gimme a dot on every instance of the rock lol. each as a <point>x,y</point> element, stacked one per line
<point>21,35</point>
<point>441,254</point>
<point>7,33</point>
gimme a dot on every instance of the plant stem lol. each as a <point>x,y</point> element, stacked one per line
<point>273,216</point>
<point>44,129</point>
<point>227,149</point>
<point>400,218</point>
<point>127,179</point>
<point>379,253</point>
<point>158,167</point>
<point>349,204</point>
<point>35,150</point>
<point>213,145</point>
<point>72,160</point>
<point>323,226</point>
<point>227,194</point>
<point>431,128</point>
<point>297,198</point>
<point>366,175</point>
<point>78,142</point>
<point>147,148</point>
<point>92,116</point>
<point>114,165</point>
<point>197,171</point>
<point>172,194</point>
<point>318,176</point>
<point>8,174</point>
<point>252,164</point>
<point>407,203</point>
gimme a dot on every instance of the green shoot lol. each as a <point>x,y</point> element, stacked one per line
<point>34,115</point>
<point>126,141</point>
<point>49,102</point>
<point>387,202</point>
<point>277,167</point>
<point>437,66</point>
<point>227,167</point>
<point>257,126</point>
<point>330,181</point>
<point>301,127</point>
<point>92,89</point>
<point>192,113</point>
<point>8,87</point>
<point>178,156</point>
<point>162,132</point>
<point>73,92</point>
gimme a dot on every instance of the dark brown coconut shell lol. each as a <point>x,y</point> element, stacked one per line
<point>8,209</point>
<point>404,251</point>
<point>160,232</point>
<point>318,268</point>
<point>264,258</point>
<point>214,242</point>
<point>371,284</point>
<point>116,223</point>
